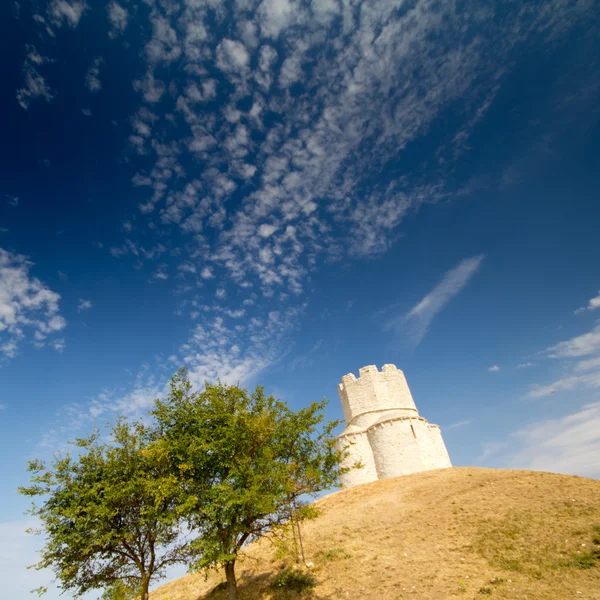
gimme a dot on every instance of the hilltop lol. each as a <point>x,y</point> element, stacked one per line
<point>451,533</point>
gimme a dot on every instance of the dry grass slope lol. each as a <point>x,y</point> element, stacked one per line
<point>453,533</point>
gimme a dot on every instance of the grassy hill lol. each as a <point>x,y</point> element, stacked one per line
<point>453,533</point>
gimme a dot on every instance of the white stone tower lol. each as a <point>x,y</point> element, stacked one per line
<point>383,428</point>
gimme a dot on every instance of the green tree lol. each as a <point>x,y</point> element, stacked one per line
<point>108,514</point>
<point>120,591</point>
<point>244,461</point>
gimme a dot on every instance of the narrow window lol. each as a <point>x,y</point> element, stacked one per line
<point>413,430</point>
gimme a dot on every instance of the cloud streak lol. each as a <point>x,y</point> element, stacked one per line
<point>578,360</point>
<point>593,304</point>
<point>418,320</point>
<point>568,444</point>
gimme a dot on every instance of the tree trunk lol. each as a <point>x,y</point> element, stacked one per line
<point>145,585</point>
<point>231,582</point>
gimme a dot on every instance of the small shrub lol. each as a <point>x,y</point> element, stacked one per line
<point>585,560</point>
<point>485,591</point>
<point>294,580</point>
<point>536,574</point>
<point>509,564</point>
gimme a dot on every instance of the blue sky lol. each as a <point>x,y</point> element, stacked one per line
<point>281,192</point>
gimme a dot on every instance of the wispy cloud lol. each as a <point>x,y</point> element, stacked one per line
<point>84,304</point>
<point>420,317</point>
<point>457,425</point>
<point>577,361</point>
<point>494,368</point>
<point>306,360</point>
<point>489,449</point>
<point>581,345</point>
<point>567,383</point>
<point>568,444</point>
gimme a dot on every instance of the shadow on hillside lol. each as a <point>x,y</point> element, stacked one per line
<point>257,586</point>
<point>248,587</point>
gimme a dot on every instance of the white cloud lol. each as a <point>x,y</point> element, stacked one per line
<point>568,444</point>
<point>207,273</point>
<point>118,17</point>
<point>232,57</point>
<point>236,354</point>
<point>291,70</point>
<point>526,365</point>
<point>588,365</point>
<point>489,449</point>
<point>419,318</point>
<point>457,425</point>
<point>163,47</point>
<point>567,383</point>
<point>152,89</point>
<point>84,304</point>
<point>593,304</point>
<point>134,404</point>
<point>19,549</point>
<point>578,362</point>
<point>224,347</point>
<point>12,200</point>
<point>26,305</point>
<point>58,345</point>
<point>35,85</point>
<point>266,230</point>
<point>494,369</point>
<point>581,345</point>
<point>92,77</point>
<point>67,11</point>
<point>277,15</point>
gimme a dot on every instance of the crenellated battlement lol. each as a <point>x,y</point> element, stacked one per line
<point>375,391</point>
<point>384,430</point>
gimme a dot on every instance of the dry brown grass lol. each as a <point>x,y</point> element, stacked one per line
<point>453,533</point>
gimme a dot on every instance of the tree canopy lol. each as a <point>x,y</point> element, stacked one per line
<point>244,462</point>
<point>109,514</point>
